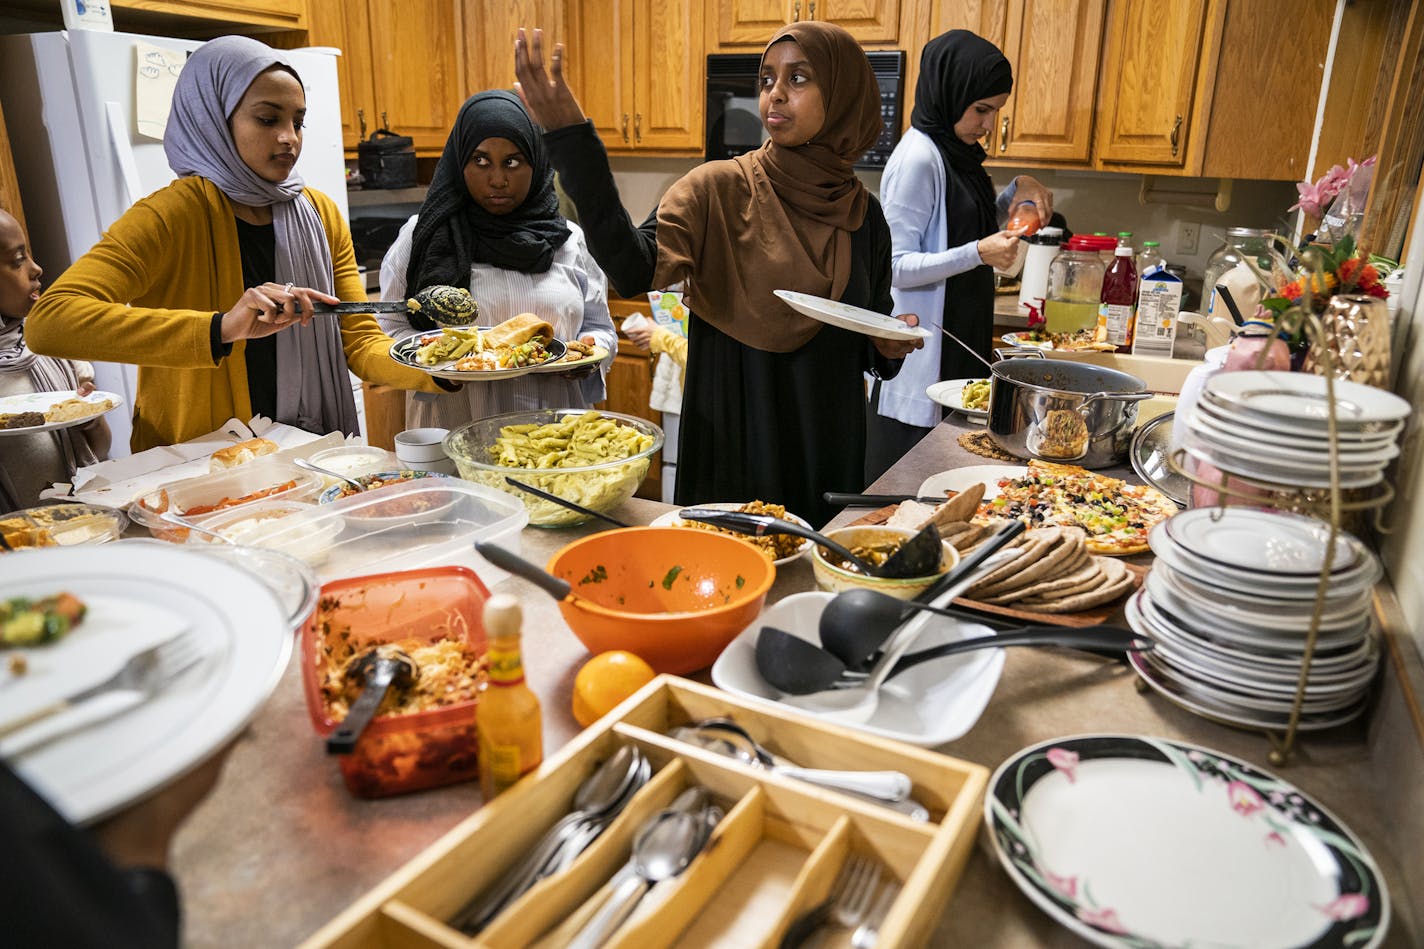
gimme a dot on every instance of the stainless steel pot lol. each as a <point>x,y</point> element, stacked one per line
<point>1063,411</point>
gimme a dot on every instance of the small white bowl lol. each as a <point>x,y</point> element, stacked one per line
<point>416,446</point>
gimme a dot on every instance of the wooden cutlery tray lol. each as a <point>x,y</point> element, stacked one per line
<point>775,854</point>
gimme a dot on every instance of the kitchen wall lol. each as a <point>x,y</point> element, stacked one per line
<point>1091,201</point>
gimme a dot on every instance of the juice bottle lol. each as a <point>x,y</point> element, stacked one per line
<point>510,727</point>
<point>1115,312</point>
<point>1150,259</point>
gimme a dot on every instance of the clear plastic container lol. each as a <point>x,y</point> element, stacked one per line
<point>419,749</point>
<point>1075,287</point>
<point>61,525</point>
<point>412,524</point>
<point>194,500</point>
<point>355,460</point>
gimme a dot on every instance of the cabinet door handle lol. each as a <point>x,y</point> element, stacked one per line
<point>1004,134</point>
<point>1176,135</point>
<point>361,118</point>
<point>385,123</point>
<point>812,15</point>
<point>625,128</point>
<point>796,14</point>
<point>638,127</point>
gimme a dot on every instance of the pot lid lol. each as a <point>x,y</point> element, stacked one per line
<point>1151,447</point>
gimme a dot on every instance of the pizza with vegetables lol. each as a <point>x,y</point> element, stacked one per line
<point>1116,516</point>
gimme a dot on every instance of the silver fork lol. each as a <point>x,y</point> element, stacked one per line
<point>868,932</point>
<point>147,672</point>
<point>846,905</point>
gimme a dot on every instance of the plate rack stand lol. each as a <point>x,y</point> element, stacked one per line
<point>1329,505</point>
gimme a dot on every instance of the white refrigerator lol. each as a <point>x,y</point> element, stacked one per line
<point>71,110</point>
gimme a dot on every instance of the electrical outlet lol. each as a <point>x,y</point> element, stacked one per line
<point>1188,232</point>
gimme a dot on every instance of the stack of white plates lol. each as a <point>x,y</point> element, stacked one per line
<point>1273,427</point>
<point>1229,602</point>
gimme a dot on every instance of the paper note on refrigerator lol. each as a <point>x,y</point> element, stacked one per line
<point>155,75</point>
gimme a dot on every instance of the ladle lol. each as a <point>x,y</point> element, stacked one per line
<point>378,670</point>
<point>664,848</point>
<point>303,463</point>
<point>797,676</point>
<point>855,630</point>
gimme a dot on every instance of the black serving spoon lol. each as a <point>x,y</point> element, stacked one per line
<point>853,628</point>
<point>379,670</point>
<point>797,667</point>
<point>760,525</point>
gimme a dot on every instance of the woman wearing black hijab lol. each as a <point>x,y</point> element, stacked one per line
<point>491,222</point>
<point>944,224</point>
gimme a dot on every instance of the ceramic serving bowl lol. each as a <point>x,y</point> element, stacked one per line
<point>834,578</point>
<point>674,597</point>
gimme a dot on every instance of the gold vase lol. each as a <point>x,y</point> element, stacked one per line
<point>1356,337</point>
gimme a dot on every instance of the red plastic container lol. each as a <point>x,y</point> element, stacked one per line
<point>400,753</point>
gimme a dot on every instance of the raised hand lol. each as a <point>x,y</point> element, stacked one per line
<point>547,96</point>
<point>1028,188</point>
<point>270,308</point>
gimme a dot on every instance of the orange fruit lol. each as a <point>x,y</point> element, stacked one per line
<point>604,681</point>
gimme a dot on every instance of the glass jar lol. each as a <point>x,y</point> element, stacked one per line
<point>1075,287</point>
<point>1263,248</point>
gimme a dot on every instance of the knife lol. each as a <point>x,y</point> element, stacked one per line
<point>841,499</point>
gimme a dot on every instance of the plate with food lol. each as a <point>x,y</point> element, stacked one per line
<point>63,524</point>
<point>51,411</point>
<point>1077,342</point>
<point>948,483</point>
<point>511,349</point>
<point>853,318</point>
<point>577,355</point>
<point>970,396</point>
<point>392,499</point>
<point>781,548</point>
<point>138,594</point>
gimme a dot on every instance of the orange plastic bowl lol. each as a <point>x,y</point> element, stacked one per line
<point>674,597</point>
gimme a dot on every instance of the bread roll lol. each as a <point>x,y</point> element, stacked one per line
<point>241,453</point>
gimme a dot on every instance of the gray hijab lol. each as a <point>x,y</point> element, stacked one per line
<point>313,388</point>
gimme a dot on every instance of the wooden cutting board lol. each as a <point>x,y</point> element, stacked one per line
<point>1102,613</point>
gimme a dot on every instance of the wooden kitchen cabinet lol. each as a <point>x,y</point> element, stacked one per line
<point>742,25</point>
<point>489,41</point>
<point>641,73</point>
<point>9,183</point>
<point>630,386</point>
<point>406,61</point>
<point>1149,81</point>
<point>1053,46</point>
<point>268,14</point>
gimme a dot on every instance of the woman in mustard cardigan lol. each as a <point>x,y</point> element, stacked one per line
<point>207,284</point>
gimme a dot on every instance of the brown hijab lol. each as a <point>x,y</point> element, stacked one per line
<point>777,218</point>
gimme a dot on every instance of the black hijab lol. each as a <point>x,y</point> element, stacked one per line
<point>453,231</point>
<point>958,69</point>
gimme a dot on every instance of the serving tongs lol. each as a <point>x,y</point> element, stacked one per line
<point>919,556</point>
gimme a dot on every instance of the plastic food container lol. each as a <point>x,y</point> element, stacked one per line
<point>601,487</point>
<point>195,500</point>
<point>399,753</point>
<point>425,523</point>
<point>355,460</point>
<point>265,524</point>
<point>61,525</point>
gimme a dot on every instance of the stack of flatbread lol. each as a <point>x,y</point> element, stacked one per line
<point>1052,572</point>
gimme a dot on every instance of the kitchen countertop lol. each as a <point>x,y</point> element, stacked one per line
<point>280,847</point>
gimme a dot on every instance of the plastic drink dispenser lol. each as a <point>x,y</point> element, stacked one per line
<point>1075,285</point>
<point>1042,248</point>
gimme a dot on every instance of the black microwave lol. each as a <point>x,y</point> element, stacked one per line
<point>734,123</point>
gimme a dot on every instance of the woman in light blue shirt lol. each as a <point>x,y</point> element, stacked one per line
<point>945,229</point>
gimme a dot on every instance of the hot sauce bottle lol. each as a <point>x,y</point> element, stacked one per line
<point>510,727</point>
<point>1115,312</point>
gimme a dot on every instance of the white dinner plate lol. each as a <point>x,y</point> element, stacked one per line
<point>949,394</point>
<point>1134,841</point>
<point>1277,431</point>
<point>1356,453</point>
<point>928,705</point>
<point>671,519</point>
<point>1300,398</point>
<point>1252,468</point>
<point>243,628</point>
<point>40,401</point>
<point>960,478</point>
<point>403,352</point>
<point>848,317</point>
<point>1260,540</point>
